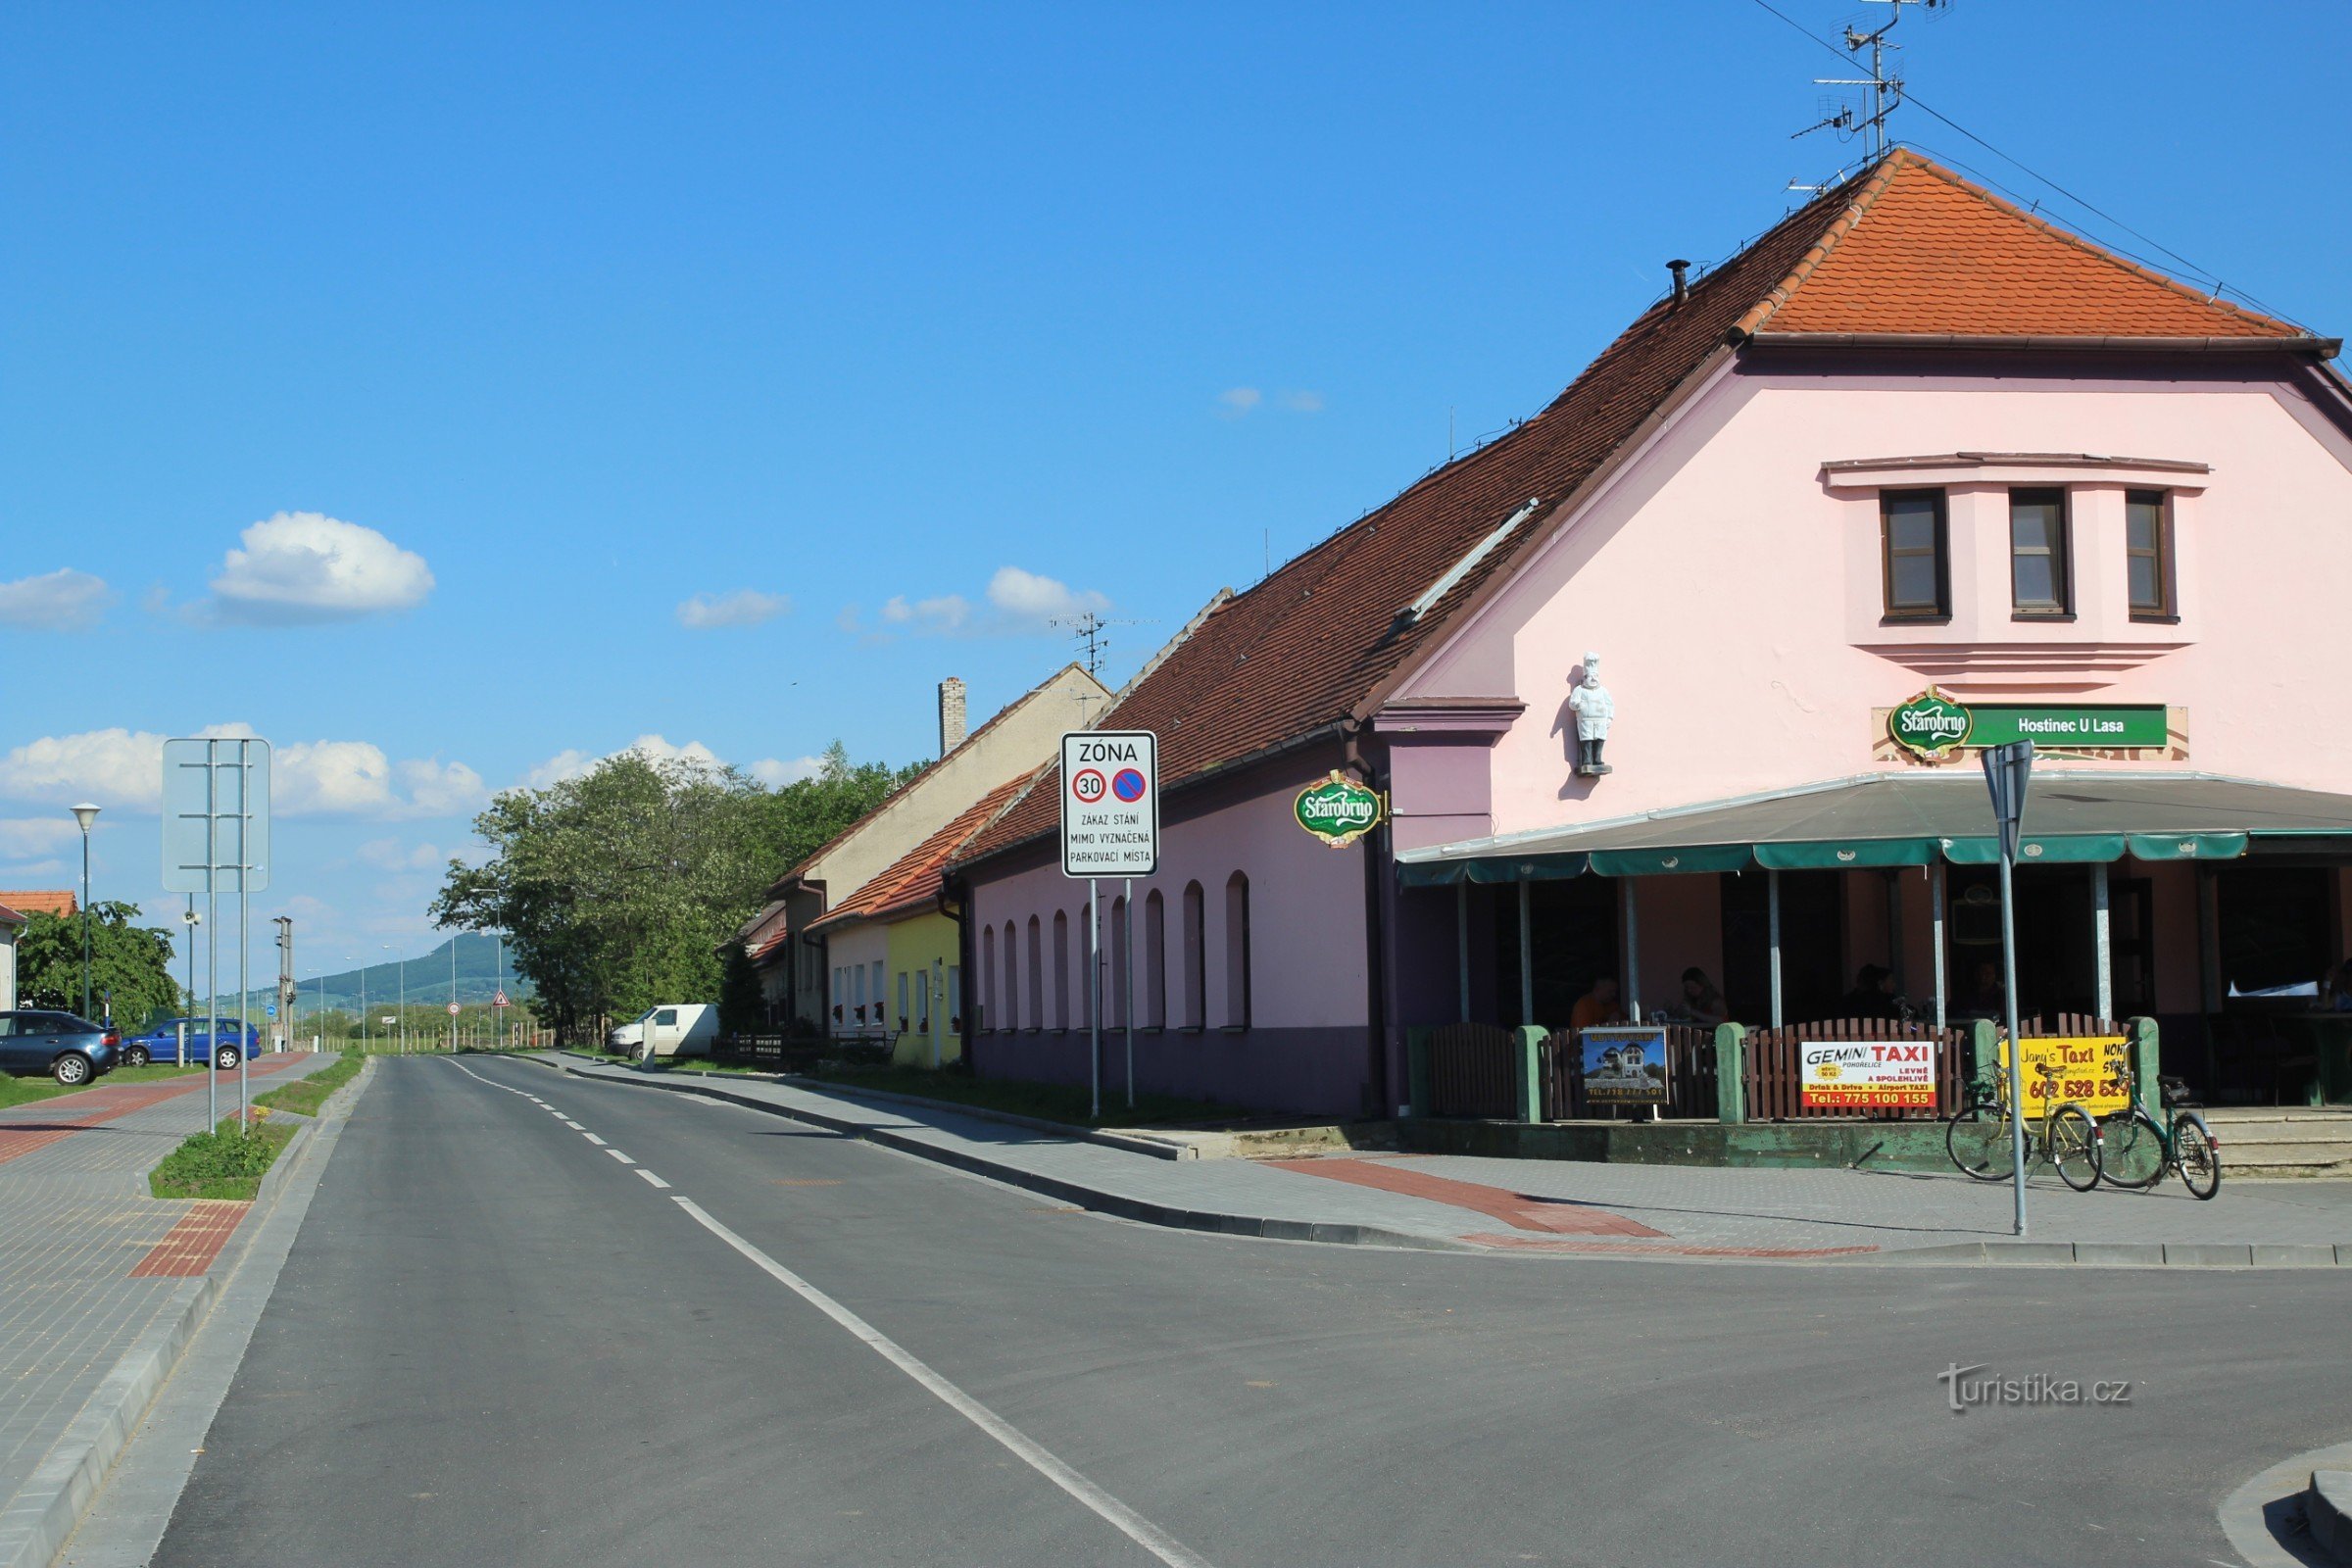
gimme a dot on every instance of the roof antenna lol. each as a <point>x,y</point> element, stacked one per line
<point>1885,91</point>
<point>1087,626</point>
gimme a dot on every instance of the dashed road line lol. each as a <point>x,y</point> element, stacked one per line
<point>650,1177</point>
<point>618,1154</point>
<point>592,1138</point>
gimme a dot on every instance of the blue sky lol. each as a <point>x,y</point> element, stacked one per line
<point>730,374</point>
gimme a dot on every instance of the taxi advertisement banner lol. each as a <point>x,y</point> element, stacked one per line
<point>1868,1074</point>
<point>2085,1073</point>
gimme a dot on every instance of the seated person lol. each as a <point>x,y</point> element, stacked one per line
<point>1596,1007</point>
<point>1703,1003</point>
<point>1985,998</point>
<point>1872,996</point>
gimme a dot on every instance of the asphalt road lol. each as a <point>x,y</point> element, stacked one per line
<point>494,1342</point>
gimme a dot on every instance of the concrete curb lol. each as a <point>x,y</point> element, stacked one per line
<point>1132,1143</point>
<point>2005,1253</point>
<point>2284,1518</point>
<point>45,1511</point>
<point>1115,1204</point>
<point>2122,1255</point>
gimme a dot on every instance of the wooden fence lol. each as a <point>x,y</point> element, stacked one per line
<point>1773,1079</point>
<point>1690,1077</point>
<point>1470,1070</point>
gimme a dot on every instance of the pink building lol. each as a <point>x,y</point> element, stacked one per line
<point>1913,473</point>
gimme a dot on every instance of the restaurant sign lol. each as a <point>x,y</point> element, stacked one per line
<point>1338,810</point>
<point>1932,726</point>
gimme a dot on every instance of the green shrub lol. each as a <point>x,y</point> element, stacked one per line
<point>224,1163</point>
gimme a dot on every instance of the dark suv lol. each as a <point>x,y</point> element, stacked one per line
<point>73,1051</point>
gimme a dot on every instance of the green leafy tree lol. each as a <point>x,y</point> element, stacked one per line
<point>742,1004</point>
<point>131,964</point>
<point>619,889</point>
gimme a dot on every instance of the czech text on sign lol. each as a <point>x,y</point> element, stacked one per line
<point>1868,1074</point>
<point>1109,803</point>
<point>1338,810</point>
<point>1624,1066</point>
<point>2086,1073</point>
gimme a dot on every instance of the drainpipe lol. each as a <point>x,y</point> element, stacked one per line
<point>1379,880</point>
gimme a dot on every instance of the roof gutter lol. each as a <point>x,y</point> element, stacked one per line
<point>2323,348</point>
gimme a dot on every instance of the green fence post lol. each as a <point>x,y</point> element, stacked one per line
<point>1416,1070</point>
<point>2145,1062</point>
<point>1731,1073</point>
<point>1984,1052</point>
<point>1527,1066</point>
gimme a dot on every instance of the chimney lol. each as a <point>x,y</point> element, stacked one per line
<point>1682,281</point>
<point>951,714</point>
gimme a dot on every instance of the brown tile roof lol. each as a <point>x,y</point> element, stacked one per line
<point>913,881</point>
<point>1904,247</point>
<point>1923,252</point>
<point>44,901</point>
<point>10,917</point>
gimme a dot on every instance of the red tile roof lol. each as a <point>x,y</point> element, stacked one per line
<point>1920,251</point>
<point>1903,248</point>
<point>10,917</point>
<point>59,904</point>
<point>912,882</point>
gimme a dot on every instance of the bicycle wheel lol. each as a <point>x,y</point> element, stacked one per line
<point>2198,1156</point>
<point>1978,1140</point>
<point>2131,1149</point>
<point>2075,1147</point>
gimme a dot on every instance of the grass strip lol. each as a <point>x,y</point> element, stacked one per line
<point>1062,1102</point>
<point>222,1164</point>
<point>27,1091</point>
<point>307,1096</point>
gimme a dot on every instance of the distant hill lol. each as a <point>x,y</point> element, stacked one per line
<point>428,978</point>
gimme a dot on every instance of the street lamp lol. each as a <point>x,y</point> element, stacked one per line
<point>403,996</point>
<point>85,813</point>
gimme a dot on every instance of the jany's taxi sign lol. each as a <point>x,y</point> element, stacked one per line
<point>1109,803</point>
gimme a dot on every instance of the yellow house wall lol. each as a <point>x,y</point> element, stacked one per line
<point>915,943</point>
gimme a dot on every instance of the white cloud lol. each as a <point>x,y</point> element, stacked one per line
<point>1302,402</point>
<point>63,600</point>
<point>310,566</point>
<point>21,838</point>
<point>945,613</point>
<point>776,773</point>
<point>1234,402</point>
<point>745,607</point>
<point>123,769</point>
<point>391,855</point>
<point>1030,601</point>
<point>572,763</point>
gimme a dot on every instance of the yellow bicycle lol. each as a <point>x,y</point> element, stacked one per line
<point>1977,1137</point>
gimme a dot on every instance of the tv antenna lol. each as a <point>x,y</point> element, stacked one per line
<point>1885,91</point>
<point>1087,628</point>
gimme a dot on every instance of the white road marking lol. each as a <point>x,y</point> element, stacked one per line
<point>1137,1529</point>
<point>592,1138</point>
<point>618,1154</point>
<point>650,1177</point>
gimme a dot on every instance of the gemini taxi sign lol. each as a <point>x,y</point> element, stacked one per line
<point>1109,803</point>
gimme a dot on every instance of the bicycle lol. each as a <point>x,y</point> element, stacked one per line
<point>1977,1137</point>
<point>2135,1150</point>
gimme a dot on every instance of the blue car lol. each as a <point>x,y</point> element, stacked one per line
<point>160,1042</point>
<point>35,1043</point>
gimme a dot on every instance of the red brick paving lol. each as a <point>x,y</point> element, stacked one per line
<point>188,1249</point>
<point>90,1106</point>
<point>1515,1210</point>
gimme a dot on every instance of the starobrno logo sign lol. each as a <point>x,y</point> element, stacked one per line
<point>1930,724</point>
<point>1337,810</point>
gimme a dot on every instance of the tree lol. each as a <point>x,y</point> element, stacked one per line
<point>618,890</point>
<point>128,964</point>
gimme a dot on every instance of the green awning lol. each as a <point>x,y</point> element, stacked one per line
<point>1910,818</point>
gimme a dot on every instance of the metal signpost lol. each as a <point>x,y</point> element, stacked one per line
<point>1109,827</point>
<point>2007,768</point>
<point>217,835</point>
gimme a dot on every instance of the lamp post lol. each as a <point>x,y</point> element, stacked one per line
<point>85,813</point>
<point>2007,772</point>
<point>191,920</point>
<point>362,1002</point>
<point>403,1036</point>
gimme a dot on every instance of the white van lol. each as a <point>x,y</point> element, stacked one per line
<point>674,1029</point>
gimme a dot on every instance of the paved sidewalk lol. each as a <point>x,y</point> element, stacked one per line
<point>89,1261</point>
<point>1459,1203</point>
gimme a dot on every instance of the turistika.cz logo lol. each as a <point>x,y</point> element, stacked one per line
<point>1963,1390</point>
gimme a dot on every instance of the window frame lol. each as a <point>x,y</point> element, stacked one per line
<point>2167,593</point>
<point>2060,552</point>
<point>1940,549</point>
<point>1194,919</point>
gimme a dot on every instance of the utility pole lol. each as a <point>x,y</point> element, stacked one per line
<point>286,993</point>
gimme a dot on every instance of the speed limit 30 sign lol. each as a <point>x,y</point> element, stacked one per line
<point>1109,803</point>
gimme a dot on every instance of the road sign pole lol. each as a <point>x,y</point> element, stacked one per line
<point>212,951</point>
<point>1127,981</point>
<point>1094,990</point>
<point>244,989</point>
